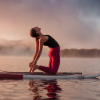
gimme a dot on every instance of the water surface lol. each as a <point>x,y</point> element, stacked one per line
<point>59,89</point>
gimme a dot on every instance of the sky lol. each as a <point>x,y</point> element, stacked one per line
<point>73,23</point>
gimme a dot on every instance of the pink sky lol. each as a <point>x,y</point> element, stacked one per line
<point>74,24</point>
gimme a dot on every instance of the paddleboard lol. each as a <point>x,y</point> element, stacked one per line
<point>40,75</point>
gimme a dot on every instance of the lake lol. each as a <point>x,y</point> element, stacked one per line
<point>59,89</point>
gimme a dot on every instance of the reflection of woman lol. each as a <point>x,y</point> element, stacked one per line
<point>34,89</point>
<point>54,55</point>
<point>52,89</point>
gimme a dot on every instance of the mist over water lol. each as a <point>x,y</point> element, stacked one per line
<point>27,48</point>
<point>12,47</point>
<point>19,48</point>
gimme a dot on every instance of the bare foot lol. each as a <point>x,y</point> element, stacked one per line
<point>34,68</point>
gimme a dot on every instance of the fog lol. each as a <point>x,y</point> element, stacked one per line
<point>18,48</point>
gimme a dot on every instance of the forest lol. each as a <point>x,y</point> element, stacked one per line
<point>80,53</point>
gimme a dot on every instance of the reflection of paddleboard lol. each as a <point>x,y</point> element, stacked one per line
<point>40,75</point>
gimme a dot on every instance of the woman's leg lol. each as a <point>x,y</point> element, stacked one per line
<point>54,66</point>
<point>50,62</point>
<point>53,62</point>
<point>47,69</point>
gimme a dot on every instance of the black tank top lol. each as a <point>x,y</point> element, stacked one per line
<point>51,42</point>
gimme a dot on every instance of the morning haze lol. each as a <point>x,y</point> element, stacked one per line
<point>73,23</point>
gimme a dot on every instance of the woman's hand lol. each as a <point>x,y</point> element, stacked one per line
<point>31,65</point>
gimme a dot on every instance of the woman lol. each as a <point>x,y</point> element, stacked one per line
<point>54,52</point>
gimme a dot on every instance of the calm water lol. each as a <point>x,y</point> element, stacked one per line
<point>87,89</point>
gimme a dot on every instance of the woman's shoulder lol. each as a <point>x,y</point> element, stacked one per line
<point>38,39</point>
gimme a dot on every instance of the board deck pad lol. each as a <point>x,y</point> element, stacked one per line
<point>19,75</point>
<point>41,73</point>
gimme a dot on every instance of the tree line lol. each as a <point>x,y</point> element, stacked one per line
<point>80,53</point>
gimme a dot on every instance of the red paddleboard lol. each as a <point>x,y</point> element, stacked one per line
<point>7,75</point>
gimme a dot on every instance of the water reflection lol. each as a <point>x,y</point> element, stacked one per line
<point>50,86</point>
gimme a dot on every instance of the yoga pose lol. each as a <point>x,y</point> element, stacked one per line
<point>54,52</point>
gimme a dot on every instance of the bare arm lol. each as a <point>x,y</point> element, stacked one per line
<point>36,50</point>
<point>40,47</point>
